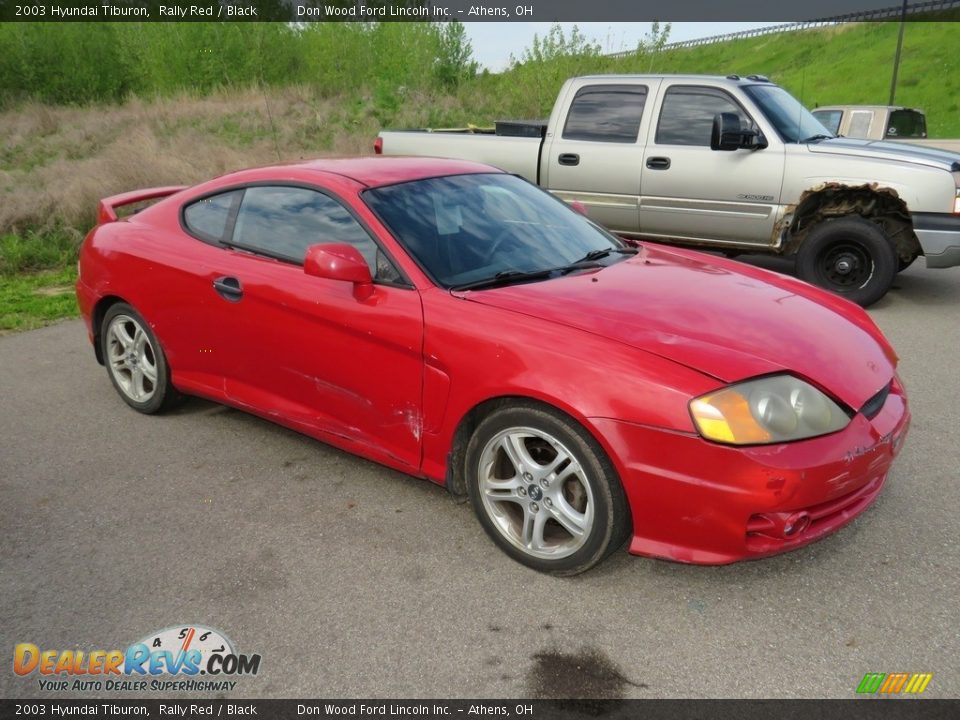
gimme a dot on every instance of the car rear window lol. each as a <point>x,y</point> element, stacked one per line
<point>207,218</point>
<point>907,123</point>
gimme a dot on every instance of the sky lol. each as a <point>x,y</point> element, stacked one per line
<point>493,42</point>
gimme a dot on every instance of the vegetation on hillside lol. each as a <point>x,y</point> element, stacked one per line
<point>88,110</point>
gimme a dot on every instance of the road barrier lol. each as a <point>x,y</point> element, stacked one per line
<point>889,13</point>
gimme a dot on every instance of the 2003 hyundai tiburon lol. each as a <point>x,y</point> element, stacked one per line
<point>459,324</point>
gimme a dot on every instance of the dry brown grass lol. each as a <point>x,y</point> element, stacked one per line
<point>57,162</point>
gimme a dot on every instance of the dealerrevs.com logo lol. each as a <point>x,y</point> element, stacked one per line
<point>187,658</point>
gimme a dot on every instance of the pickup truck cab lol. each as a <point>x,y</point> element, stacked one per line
<point>728,163</point>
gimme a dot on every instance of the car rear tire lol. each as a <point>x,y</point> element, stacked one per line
<point>544,490</point>
<point>135,361</point>
<point>849,256</point>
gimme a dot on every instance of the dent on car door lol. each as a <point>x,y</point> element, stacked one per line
<point>594,157</point>
<point>306,348</point>
<point>691,191</point>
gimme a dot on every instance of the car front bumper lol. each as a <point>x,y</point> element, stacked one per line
<point>939,236</point>
<point>700,502</point>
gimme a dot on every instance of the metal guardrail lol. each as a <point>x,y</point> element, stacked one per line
<point>889,13</point>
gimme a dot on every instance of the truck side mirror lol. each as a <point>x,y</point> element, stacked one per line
<point>727,134</point>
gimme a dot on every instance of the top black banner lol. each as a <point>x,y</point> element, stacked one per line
<point>467,11</point>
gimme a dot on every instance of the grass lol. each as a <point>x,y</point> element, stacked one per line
<point>32,300</point>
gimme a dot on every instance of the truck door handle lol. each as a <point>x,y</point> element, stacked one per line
<point>658,163</point>
<point>569,159</point>
<point>229,288</point>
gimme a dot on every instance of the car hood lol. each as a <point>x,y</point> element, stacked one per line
<point>721,318</point>
<point>886,150</point>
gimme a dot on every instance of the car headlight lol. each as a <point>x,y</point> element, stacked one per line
<point>774,409</point>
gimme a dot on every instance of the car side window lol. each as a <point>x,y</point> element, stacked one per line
<point>207,218</point>
<point>606,113</point>
<point>282,222</point>
<point>686,117</point>
<point>830,119</point>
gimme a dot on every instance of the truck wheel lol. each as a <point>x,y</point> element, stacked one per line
<point>849,256</point>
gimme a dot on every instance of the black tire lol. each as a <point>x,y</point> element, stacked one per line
<point>849,256</point>
<point>585,489</point>
<point>135,363</point>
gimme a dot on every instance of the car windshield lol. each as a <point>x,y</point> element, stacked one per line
<point>793,121</point>
<point>466,229</point>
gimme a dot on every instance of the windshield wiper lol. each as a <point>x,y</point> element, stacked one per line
<point>817,138</point>
<point>604,252</point>
<point>506,277</point>
<point>509,277</point>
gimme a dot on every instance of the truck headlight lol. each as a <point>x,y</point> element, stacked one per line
<point>774,409</point>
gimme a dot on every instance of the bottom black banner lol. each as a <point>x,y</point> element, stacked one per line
<point>860,709</point>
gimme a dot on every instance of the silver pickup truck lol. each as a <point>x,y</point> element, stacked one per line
<point>729,163</point>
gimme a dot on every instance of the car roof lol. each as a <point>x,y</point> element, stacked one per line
<point>374,171</point>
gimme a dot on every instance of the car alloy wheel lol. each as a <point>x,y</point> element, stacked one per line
<point>135,361</point>
<point>544,490</point>
<point>536,493</point>
<point>131,359</point>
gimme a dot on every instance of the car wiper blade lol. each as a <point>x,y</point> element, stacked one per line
<point>509,277</point>
<point>817,138</point>
<point>604,252</point>
<point>506,277</point>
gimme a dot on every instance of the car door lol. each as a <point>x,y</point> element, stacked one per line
<point>693,192</point>
<point>595,156</point>
<point>306,349</point>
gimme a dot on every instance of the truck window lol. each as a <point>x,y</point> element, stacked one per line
<point>606,113</point>
<point>907,123</point>
<point>860,121</point>
<point>686,117</point>
<point>830,119</point>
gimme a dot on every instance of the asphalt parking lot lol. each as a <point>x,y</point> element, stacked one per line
<point>351,580</point>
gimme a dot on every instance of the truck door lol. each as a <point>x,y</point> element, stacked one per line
<point>693,192</point>
<point>594,154</point>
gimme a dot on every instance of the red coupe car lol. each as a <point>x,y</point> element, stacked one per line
<point>459,324</point>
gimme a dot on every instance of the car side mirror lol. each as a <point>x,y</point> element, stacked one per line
<point>579,207</point>
<point>727,134</point>
<point>339,261</point>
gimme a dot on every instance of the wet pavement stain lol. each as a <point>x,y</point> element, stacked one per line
<point>585,674</point>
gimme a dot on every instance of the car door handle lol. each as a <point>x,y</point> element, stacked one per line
<point>569,159</point>
<point>658,163</point>
<point>229,288</point>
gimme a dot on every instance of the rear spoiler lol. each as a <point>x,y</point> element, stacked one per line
<point>107,209</point>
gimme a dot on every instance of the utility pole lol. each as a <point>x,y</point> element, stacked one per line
<point>896,60</point>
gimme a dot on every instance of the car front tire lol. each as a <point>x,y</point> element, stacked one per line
<point>544,490</point>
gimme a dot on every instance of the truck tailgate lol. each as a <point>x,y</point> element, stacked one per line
<point>519,155</point>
